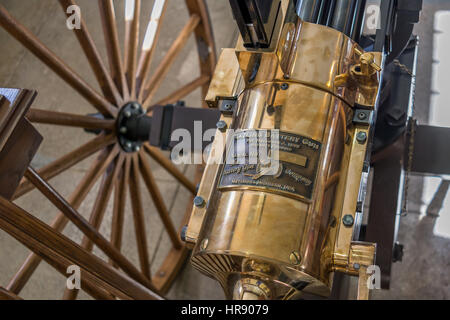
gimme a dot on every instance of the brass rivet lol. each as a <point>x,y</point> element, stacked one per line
<point>204,244</point>
<point>295,257</point>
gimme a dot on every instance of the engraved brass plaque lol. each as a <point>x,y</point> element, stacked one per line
<point>294,173</point>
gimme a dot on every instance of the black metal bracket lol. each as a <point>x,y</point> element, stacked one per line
<point>256,20</point>
<point>397,24</point>
<point>167,119</point>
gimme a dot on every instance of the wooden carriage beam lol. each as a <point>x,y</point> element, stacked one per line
<point>61,252</point>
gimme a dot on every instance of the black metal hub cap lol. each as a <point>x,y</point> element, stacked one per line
<point>133,127</point>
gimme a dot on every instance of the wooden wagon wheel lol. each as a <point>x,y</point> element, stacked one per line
<point>127,88</point>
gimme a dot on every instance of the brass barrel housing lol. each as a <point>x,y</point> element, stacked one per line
<point>271,237</point>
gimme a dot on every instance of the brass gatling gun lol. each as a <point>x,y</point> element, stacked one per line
<point>288,234</point>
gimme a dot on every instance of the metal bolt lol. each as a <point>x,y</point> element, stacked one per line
<point>161,274</point>
<point>398,252</point>
<point>221,125</point>
<point>228,107</point>
<point>348,220</point>
<point>123,130</point>
<point>204,244</point>
<point>295,257</point>
<point>134,106</point>
<point>362,116</point>
<point>127,114</point>
<point>137,148</point>
<point>129,145</point>
<point>356,266</point>
<point>183,233</point>
<point>347,138</point>
<point>199,202</point>
<point>333,222</point>
<point>361,137</point>
<point>284,86</point>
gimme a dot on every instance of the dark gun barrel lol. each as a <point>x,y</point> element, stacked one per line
<point>343,16</point>
<point>308,10</point>
<point>346,16</point>
<point>357,25</point>
<point>323,11</point>
<point>330,13</point>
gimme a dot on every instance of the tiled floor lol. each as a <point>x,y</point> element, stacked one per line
<point>424,270</point>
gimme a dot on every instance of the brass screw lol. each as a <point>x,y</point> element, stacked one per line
<point>204,244</point>
<point>295,258</point>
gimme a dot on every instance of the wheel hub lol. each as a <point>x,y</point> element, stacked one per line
<point>133,127</point>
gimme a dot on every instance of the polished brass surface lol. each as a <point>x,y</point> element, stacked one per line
<point>274,236</point>
<point>225,79</point>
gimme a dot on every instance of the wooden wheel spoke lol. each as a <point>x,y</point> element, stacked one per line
<point>99,209</point>
<point>149,45</point>
<point>170,167</point>
<point>120,196</point>
<point>83,35</point>
<point>8,295</point>
<point>28,40</point>
<point>156,80</point>
<point>88,229</point>
<point>108,17</point>
<point>60,252</point>
<point>159,202</point>
<point>59,223</point>
<point>183,91</point>
<point>138,215</point>
<point>69,120</point>
<point>67,161</point>
<point>132,13</point>
<point>120,80</point>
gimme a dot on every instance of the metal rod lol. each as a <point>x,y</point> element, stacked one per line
<point>351,16</point>
<point>358,21</point>
<point>341,15</point>
<point>323,10</point>
<point>330,12</point>
<point>308,10</point>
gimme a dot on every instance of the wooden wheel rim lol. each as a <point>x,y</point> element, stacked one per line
<point>128,79</point>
